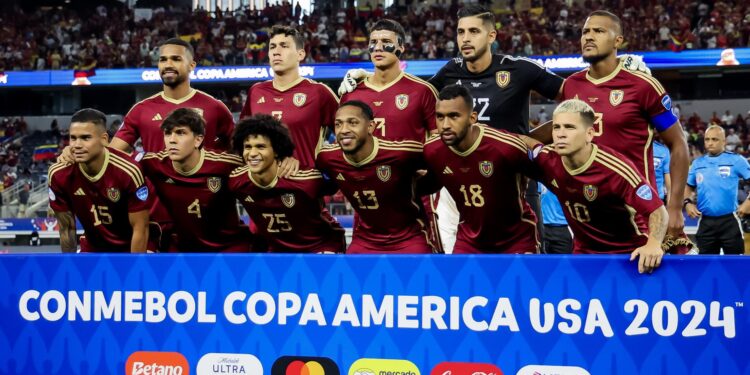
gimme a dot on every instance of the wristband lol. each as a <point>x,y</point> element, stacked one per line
<point>686,201</point>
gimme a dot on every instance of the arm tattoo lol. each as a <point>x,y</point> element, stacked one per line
<point>657,223</point>
<point>67,231</point>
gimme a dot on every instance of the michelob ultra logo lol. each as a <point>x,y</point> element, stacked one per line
<point>153,363</point>
<point>292,365</point>
<point>228,363</point>
<point>376,366</point>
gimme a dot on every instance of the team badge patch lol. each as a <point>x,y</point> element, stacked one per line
<point>615,97</point>
<point>299,99</point>
<point>142,193</point>
<point>502,78</point>
<point>288,200</point>
<point>644,192</point>
<point>384,172</point>
<point>590,192</point>
<point>725,171</point>
<point>486,168</point>
<point>402,101</point>
<point>666,101</point>
<point>699,178</point>
<point>214,184</point>
<point>113,194</point>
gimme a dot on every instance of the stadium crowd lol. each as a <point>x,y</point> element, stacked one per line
<point>50,38</point>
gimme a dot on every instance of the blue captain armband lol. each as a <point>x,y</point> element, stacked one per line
<point>663,121</point>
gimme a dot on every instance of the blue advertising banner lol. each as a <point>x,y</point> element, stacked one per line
<point>265,313</point>
<point>557,63</point>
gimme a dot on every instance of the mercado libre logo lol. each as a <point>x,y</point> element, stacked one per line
<point>376,366</point>
<point>292,365</point>
<point>142,363</point>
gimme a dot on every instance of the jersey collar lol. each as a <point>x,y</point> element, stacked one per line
<point>585,165</point>
<point>180,100</point>
<point>603,79</point>
<point>373,87</point>
<point>101,171</point>
<point>289,86</point>
<point>473,147</point>
<point>195,169</point>
<point>376,145</point>
<point>264,187</point>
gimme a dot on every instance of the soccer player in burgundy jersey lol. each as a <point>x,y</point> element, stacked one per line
<point>629,106</point>
<point>143,120</point>
<point>287,211</point>
<point>600,190</point>
<point>306,107</point>
<point>192,183</point>
<point>378,178</point>
<point>482,170</point>
<point>104,189</point>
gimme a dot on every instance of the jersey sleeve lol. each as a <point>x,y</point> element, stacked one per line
<point>140,194</point>
<point>128,131</point>
<point>657,105</point>
<point>543,81</point>
<point>329,105</point>
<point>539,157</point>
<point>224,127</point>
<point>429,101</point>
<point>666,161</point>
<point>58,200</point>
<point>691,174</point>
<point>643,198</point>
<point>742,167</point>
<point>438,80</point>
<point>246,109</point>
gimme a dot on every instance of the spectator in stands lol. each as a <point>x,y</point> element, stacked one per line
<point>727,119</point>
<point>733,140</point>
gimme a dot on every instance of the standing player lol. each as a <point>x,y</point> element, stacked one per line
<point>143,120</point>
<point>378,178</point>
<point>629,105</point>
<point>104,189</point>
<point>306,107</point>
<point>482,170</point>
<point>192,183</point>
<point>600,190</point>
<point>287,211</point>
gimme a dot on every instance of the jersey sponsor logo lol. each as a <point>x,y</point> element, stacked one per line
<point>699,178</point>
<point>377,366</point>
<point>146,363</point>
<point>384,172</point>
<point>486,168</point>
<point>52,196</point>
<point>157,117</point>
<point>113,194</point>
<point>666,101</point>
<point>591,99</point>
<point>502,78</point>
<point>249,199</point>
<point>378,104</point>
<point>644,192</point>
<point>261,100</point>
<point>465,368</point>
<point>402,101</point>
<point>278,100</point>
<point>79,192</point>
<point>476,84</point>
<point>228,363</point>
<point>292,365</point>
<point>590,192</point>
<point>214,184</point>
<point>725,171</point>
<point>299,99</point>
<point>447,170</point>
<point>142,193</point>
<point>340,177</point>
<point>288,200</point>
<point>615,97</point>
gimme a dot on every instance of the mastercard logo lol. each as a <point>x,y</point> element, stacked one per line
<point>292,365</point>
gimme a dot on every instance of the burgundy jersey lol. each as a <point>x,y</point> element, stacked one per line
<point>486,183</point>
<point>629,106</point>
<point>288,212</point>
<point>381,190</point>
<point>203,208</point>
<point>102,202</point>
<point>404,109</point>
<point>601,199</point>
<point>146,116</point>
<point>306,107</point>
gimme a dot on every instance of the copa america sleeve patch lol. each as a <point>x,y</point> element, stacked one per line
<point>644,192</point>
<point>52,196</point>
<point>142,193</point>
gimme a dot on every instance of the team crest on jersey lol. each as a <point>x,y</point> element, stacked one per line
<point>214,184</point>
<point>384,172</point>
<point>502,78</point>
<point>402,100</point>
<point>299,99</point>
<point>486,168</point>
<point>199,110</point>
<point>590,192</point>
<point>615,97</point>
<point>113,194</point>
<point>288,200</point>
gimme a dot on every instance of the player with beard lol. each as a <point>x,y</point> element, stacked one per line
<point>629,106</point>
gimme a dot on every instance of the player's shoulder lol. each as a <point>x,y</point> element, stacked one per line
<point>208,98</point>
<point>154,157</point>
<point>306,174</point>
<point>142,104</point>
<point>642,80</point>
<point>578,76</point>
<point>330,148</point>
<point>419,83</point>
<point>453,65</point>
<point>239,172</point>
<point>405,145</point>
<point>504,137</point>
<point>59,170</point>
<point>262,85</point>
<point>126,165</point>
<point>223,158</point>
<point>502,60</point>
<point>618,164</point>
<point>320,88</point>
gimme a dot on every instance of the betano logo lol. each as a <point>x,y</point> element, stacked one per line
<point>290,365</point>
<point>228,363</point>
<point>465,368</point>
<point>153,363</point>
<point>376,366</point>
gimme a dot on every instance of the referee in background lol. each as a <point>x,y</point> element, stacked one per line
<point>558,238</point>
<point>714,178</point>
